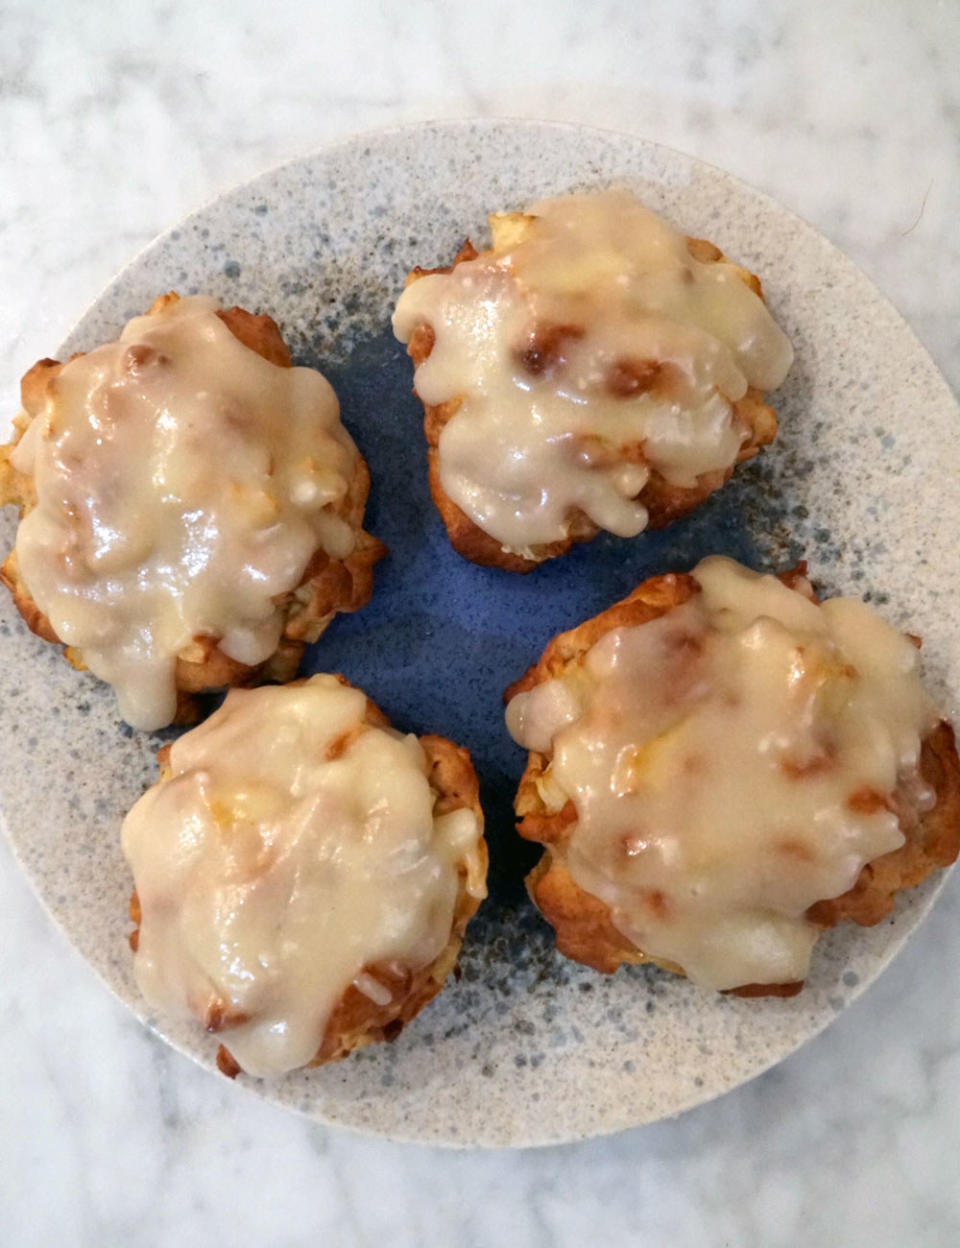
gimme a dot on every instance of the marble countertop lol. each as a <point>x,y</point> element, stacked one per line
<point>116,120</point>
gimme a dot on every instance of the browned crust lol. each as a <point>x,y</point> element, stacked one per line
<point>664,502</point>
<point>329,586</point>
<point>933,841</point>
<point>357,1021</point>
<point>260,333</point>
<point>584,927</point>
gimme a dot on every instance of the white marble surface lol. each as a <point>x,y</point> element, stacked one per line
<point>117,120</point>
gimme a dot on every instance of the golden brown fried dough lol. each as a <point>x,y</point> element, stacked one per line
<point>664,501</point>
<point>357,1020</point>
<point>328,586</point>
<point>583,923</point>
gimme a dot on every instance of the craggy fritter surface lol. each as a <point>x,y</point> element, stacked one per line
<point>328,585</point>
<point>584,927</point>
<point>356,1020</point>
<point>663,501</point>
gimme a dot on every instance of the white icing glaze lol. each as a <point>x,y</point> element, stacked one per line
<point>271,877</point>
<point>183,482</point>
<point>541,431</point>
<point>729,763</point>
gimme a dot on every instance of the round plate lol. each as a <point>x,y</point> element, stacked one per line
<point>526,1048</point>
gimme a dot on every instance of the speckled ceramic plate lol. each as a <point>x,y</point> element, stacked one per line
<point>863,481</point>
